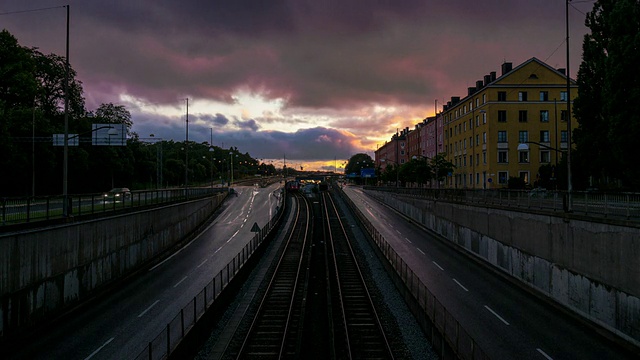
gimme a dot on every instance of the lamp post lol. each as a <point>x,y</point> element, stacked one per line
<point>158,161</point>
<point>569,182</point>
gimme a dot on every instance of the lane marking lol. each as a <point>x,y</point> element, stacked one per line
<point>463,288</point>
<point>544,354</point>
<point>179,282</point>
<point>409,241</point>
<point>202,263</point>
<point>103,345</point>
<point>147,309</point>
<point>439,267</point>
<point>496,315</point>
<point>421,252</point>
<point>398,231</point>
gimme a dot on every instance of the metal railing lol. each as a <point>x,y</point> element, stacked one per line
<point>448,334</point>
<point>597,204</point>
<point>178,328</point>
<point>32,209</point>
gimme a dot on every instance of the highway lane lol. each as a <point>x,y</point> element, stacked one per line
<point>120,325</point>
<point>506,321</point>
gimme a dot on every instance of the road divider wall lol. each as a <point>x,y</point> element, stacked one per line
<point>44,272</point>
<point>588,267</point>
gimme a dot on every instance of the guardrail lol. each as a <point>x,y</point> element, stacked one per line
<point>609,205</point>
<point>32,209</point>
<point>446,328</point>
<point>176,330</point>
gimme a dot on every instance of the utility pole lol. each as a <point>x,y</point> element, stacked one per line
<point>569,184</point>
<point>186,154</point>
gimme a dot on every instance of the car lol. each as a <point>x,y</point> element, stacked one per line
<point>117,194</point>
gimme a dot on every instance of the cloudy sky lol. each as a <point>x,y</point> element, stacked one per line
<point>315,80</point>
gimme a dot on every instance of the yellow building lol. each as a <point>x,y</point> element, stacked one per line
<point>508,126</point>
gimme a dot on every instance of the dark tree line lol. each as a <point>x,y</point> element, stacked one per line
<point>608,97</point>
<point>32,110</point>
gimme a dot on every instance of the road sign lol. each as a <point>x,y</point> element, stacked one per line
<point>58,140</point>
<point>255,228</point>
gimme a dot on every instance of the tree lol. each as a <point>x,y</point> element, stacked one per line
<point>114,114</point>
<point>441,165</point>
<point>358,162</point>
<point>608,93</point>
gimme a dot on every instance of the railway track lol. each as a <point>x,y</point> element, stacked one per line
<point>275,330</point>
<point>358,331</point>
<point>316,304</point>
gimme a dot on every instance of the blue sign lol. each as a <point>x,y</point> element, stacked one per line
<point>368,173</point>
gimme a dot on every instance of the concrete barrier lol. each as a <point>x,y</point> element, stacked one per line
<point>45,271</point>
<point>591,268</point>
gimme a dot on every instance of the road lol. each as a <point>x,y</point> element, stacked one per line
<point>506,321</point>
<point>120,325</point>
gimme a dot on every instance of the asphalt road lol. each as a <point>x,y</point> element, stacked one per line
<point>120,325</point>
<point>506,321</point>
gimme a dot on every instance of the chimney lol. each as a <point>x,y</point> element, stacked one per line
<point>487,80</point>
<point>455,100</point>
<point>493,76</point>
<point>506,67</point>
<point>470,91</point>
<point>563,71</point>
<point>479,85</point>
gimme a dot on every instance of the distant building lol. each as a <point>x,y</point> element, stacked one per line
<point>507,126</point>
<point>393,152</point>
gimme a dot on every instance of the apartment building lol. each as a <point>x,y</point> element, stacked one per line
<point>507,126</point>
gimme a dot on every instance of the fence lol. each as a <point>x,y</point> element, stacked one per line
<point>31,209</point>
<point>447,333</point>
<point>178,328</point>
<point>611,205</point>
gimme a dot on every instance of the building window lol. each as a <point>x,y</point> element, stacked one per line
<point>465,143</point>
<point>522,116</point>
<point>502,136</point>
<point>544,96</point>
<point>477,139</point>
<point>503,177</point>
<point>465,109</point>
<point>502,115</point>
<point>544,136</point>
<point>484,117</point>
<point>545,156</point>
<point>465,126</point>
<point>563,96</point>
<point>522,96</point>
<point>563,115</point>
<point>502,96</point>
<point>484,98</point>
<point>484,157</point>
<point>503,156</point>
<point>524,175</point>
<point>477,120</point>
<point>523,136</point>
<point>478,101</point>
<point>401,161</point>
<point>484,137</point>
<point>401,152</point>
<point>544,115</point>
<point>477,159</point>
<point>523,156</point>
<point>477,178</point>
<point>563,136</point>
<point>465,161</point>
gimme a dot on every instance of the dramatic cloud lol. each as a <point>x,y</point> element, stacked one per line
<point>279,72</point>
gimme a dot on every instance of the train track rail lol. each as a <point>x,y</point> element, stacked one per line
<point>316,304</point>
<point>358,331</point>
<point>276,327</point>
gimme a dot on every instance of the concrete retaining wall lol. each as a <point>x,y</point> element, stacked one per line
<point>45,271</point>
<point>591,268</point>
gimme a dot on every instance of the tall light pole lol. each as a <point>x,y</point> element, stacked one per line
<point>435,111</point>
<point>569,184</point>
<point>186,153</point>
<point>65,165</point>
